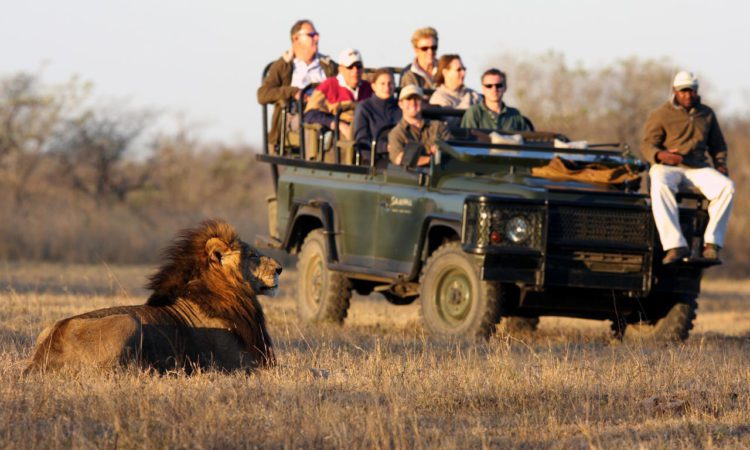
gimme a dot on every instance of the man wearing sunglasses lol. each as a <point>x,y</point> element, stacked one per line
<point>297,68</point>
<point>676,138</point>
<point>492,113</point>
<point>424,68</point>
<point>340,93</point>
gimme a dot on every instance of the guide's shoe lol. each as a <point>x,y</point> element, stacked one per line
<point>675,254</point>
<point>711,252</point>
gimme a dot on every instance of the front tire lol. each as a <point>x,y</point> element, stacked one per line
<point>455,300</point>
<point>322,294</point>
<point>672,324</point>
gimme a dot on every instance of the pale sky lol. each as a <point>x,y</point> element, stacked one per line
<point>204,59</point>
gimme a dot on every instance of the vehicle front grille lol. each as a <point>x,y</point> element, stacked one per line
<point>599,226</point>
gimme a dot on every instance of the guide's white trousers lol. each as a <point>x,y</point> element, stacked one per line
<point>717,188</point>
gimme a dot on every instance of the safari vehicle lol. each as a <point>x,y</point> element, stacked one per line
<point>477,239</point>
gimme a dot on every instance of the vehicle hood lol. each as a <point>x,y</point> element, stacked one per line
<point>516,185</point>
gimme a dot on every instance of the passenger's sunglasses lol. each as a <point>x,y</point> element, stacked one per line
<point>494,85</point>
<point>356,65</point>
<point>311,34</point>
<point>424,49</point>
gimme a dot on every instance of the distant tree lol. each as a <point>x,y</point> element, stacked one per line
<point>547,90</point>
<point>629,89</point>
<point>93,151</point>
<point>30,115</point>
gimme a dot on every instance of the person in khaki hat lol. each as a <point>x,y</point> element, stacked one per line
<point>413,129</point>
<point>678,139</point>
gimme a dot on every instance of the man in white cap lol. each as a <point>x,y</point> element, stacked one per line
<point>676,139</point>
<point>413,129</point>
<point>340,93</point>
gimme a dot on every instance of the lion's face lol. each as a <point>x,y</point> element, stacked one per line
<point>240,261</point>
<point>260,271</point>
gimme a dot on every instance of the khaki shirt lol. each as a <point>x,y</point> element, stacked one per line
<point>403,134</point>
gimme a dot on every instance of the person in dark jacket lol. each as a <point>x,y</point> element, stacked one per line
<point>297,68</point>
<point>374,114</point>
<point>676,139</point>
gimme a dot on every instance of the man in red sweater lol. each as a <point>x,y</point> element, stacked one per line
<point>339,93</point>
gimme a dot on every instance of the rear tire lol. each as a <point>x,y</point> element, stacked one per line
<point>455,300</point>
<point>672,325</point>
<point>322,294</point>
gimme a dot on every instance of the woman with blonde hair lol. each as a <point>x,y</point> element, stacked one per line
<point>422,70</point>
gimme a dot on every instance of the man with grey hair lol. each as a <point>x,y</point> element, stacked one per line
<point>297,68</point>
<point>676,139</point>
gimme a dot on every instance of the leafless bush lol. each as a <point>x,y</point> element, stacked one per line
<point>29,116</point>
<point>93,149</point>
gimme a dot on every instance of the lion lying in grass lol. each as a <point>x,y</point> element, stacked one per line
<point>203,312</point>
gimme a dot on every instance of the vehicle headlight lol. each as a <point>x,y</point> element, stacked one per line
<point>517,229</point>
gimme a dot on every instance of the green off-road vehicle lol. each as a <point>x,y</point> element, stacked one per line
<point>477,239</point>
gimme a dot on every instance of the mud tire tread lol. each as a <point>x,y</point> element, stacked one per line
<point>337,291</point>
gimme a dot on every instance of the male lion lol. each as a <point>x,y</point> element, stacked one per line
<point>203,312</point>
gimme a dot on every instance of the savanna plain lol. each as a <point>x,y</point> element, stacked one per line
<point>379,381</point>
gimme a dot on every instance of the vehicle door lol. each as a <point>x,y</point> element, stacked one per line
<point>353,198</point>
<point>400,216</point>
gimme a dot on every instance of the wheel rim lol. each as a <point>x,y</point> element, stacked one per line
<point>454,297</point>
<point>314,278</point>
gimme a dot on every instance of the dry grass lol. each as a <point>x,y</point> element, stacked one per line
<point>379,382</point>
